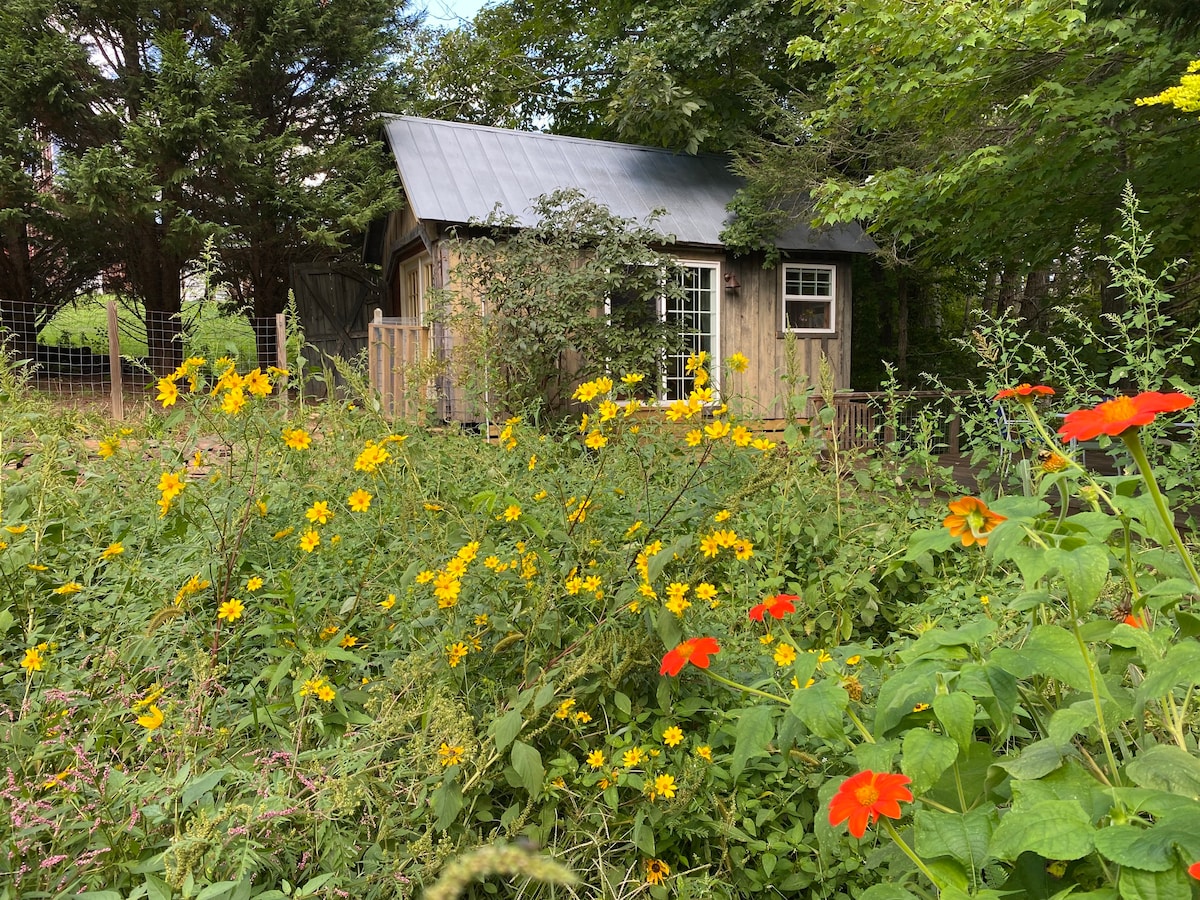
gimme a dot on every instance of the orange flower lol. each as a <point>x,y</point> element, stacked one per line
<point>864,797</point>
<point>1194,870</point>
<point>1024,390</point>
<point>1134,621</point>
<point>972,520</point>
<point>1115,416</point>
<point>777,607</point>
<point>694,650</point>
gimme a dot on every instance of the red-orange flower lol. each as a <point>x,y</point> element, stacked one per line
<point>1194,870</point>
<point>777,607</point>
<point>1115,416</point>
<point>694,650</point>
<point>971,520</point>
<point>1135,621</point>
<point>1024,390</point>
<point>864,797</point>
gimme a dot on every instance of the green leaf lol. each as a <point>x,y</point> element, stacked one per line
<point>1128,845</point>
<point>822,708</point>
<point>1035,761</point>
<point>1173,884</point>
<point>926,757</point>
<point>886,892</point>
<point>1084,570</point>
<point>1054,829</point>
<point>935,540</point>
<point>1166,768</point>
<point>1168,593</point>
<point>447,802</point>
<point>1071,720</point>
<point>528,765</point>
<point>915,683</point>
<point>218,890</point>
<point>956,713</point>
<point>1179,668</point>
<point>201,786</point>
<point>1050,651</point>
<point>965,837</point>
<point>506,728</point>
<point>754,730</point>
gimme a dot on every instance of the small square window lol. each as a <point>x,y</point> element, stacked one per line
<point>808,298</point>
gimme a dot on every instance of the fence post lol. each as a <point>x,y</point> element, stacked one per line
<point>281,340</point>
<point>373,334</point>
<point>114,363</point>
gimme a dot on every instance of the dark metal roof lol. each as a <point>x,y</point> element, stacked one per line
<point>458,173</point>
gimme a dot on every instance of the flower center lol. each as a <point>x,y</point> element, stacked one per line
<point>867,795</point>
<point>1118,409</point>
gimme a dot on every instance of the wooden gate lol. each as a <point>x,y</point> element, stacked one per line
<point>398,361</point>
<point>334,303</point>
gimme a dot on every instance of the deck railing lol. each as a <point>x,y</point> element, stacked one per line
<point>907,419</point>
<point>397,353</point>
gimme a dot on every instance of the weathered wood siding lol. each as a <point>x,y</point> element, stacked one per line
<point>751,323</point>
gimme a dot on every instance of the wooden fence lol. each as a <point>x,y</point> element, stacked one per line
<point>398,351</point>
<point>876,418</point>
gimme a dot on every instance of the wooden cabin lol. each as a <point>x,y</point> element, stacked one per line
<point>455,174</point>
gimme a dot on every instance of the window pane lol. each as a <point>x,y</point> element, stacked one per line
<point>692,318</point>
<point>801,281</point>
<point>803,314</point>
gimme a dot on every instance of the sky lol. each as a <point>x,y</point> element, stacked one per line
<point>448,13</point>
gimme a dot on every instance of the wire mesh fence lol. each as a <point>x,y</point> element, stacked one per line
<point>97,352</point>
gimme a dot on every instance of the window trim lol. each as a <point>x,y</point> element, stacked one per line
<point>784,298</point>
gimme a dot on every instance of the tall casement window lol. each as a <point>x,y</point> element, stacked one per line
<point>416,277</point>
<point>691,318</point>
<point>808,299</point>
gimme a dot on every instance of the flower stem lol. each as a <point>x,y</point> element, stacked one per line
<point>1133,440</point>
<point>745,688</point>
<point>1088,663</point>
<point>910,853</point>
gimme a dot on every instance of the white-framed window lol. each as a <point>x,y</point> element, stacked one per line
<point>808,298</point>
<point>695,318</point>
<point>416,278</point>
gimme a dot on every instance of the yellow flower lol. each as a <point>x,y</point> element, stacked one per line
<point>424,577</point>
<point>717,430</point>
<point>737,363</point>
<point>359,501</point>
<point>512,513</point>
<point>664,786</point>
<point>741,436</point>
<point>704,752</point>
<point>763,444</point>
<point>532,461</point>
<point>631,378</point>
<point>596,440</point>
<point>168,393</point>
<point>171,485</point>
<point>348,641</point>
<point>281,534</point>
<point>446,589</point>
<point>326,692</point>
<point>705,591</point>
<point>656,871</point>
<point>854,660</point>
<point>710,546</point>
<point>595,759</point>
<point>261,506</point>
<point>297,438</point>
<point>372,457</point>
<point>16,529</point>
<point>632,757</point>
<point>743,549</point>
<point>329,631</point>
<point>541,495</point>
<point>678,605</point>
<point>450,756</point>
<point>693,437</point>
<point>583,717</point>
<point>257,383</point>
<point>673,736</point>
<point>71,587</point>
<point>231,610</point>
<point>233,402</point>
<point>108,447</point>
<point>677,590</point>
<point>309,541</point>
<point>253,583</point>
<point>319,513</point>
<point>564,709</point>
<point>632,529</point>
<point>921,707</point>
<point>114,549</point>
<point>152,718</point>
<point>608,410</point>
<point>33,661</point>
<point>455,653</point>
<point>696,360</point>
<point>468,552</point>
<point>785,655</point>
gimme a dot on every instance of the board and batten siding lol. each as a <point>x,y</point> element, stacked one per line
<point>751,323</point>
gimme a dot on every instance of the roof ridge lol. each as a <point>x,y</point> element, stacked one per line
<point>545,135</point>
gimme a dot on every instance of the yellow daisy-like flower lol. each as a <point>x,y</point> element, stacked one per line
<point>632,529</point>
<point>108,447</point>
<point>253,583</point>
<point>583,718</point>
<point>512,513</point>
<point>231,610</point>
<point>359,501</point>
<point>532,461</point>
<point>456,653</point>
<point>785,655</point>
<point>854,660</point>
<point>326,692</point>
<point>71,587</point>
<point>233,402</point>
<point>595,759</point>
<point>16,529</point>
<point>564,709</point>
<point>297,438</point>
<point>372,457</point>
<point>722,516</point>
<point>632,757</point>
<point>704,752</point>
<point>693,437</point>
<point>152,718</point>
<point>425,576</point>
<point>632,378</point>
<point>664,786</point>
<point>348,641</point>
<point>741,436</point>
<point>450,756</point>
<point>678,605</point>
<point>673,736</point>
<point>656,871</point>
<point>114,549</point>
<point>319,513</point>
<point>257,383</point>
<point>716,430</point>
<point>468,552</point>
<point>705,591</point>
<point>33,661</point>
<point>309,541</point>
<point>168,392</point>
<point>737,362</point>
<point>743,549</point>
<point>389,602</point>
<point>763,444</point>
<point>596,440</point>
